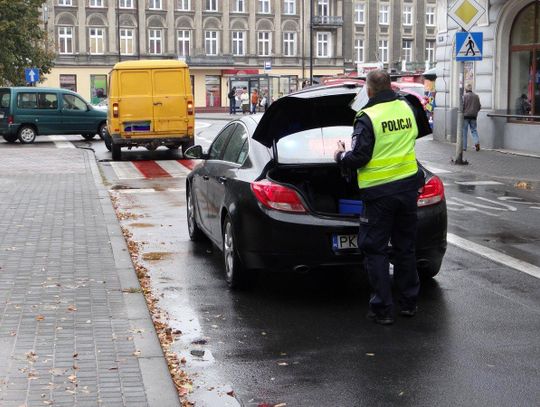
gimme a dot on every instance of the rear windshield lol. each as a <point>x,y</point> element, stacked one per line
<point>314,145</point>
<point>5,97</point>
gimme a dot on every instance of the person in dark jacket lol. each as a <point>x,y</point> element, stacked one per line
<point>232,100</point>
<point>389,179</point>
<point>471,107</point>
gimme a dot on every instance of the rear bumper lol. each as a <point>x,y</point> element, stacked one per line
<point>186,141</point>
<point>9,129</point>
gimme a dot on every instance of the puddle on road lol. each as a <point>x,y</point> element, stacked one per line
<point>154,256</point>
<point>141,225</point>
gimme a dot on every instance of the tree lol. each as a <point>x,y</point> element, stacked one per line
<point>23,41</point>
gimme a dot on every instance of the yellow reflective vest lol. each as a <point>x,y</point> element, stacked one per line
<point>395,129</point>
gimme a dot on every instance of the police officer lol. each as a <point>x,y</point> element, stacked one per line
<point>389,179</point>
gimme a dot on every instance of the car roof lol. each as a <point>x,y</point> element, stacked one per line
<point>38,89</point>
<point>310,108</point>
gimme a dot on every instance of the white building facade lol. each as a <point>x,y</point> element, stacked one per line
<point>508,73</point>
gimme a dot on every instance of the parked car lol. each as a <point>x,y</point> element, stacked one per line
<point>27,112</point>
<point>269,194</point>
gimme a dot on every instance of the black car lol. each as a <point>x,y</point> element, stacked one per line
<point>269,194</point>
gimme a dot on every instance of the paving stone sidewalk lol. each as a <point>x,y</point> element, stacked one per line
<point>72,330</point>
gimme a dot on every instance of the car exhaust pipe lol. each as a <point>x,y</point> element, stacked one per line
<point>301,268</point>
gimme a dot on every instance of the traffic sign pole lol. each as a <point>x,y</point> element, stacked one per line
<point>458,160</point>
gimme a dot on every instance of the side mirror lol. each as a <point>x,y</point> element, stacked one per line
<point>194,153</point>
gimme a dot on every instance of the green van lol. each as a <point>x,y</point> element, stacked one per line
<point>29,112</point>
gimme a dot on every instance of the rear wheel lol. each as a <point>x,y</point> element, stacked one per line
<point>235,273</point>
<point>195,234</point>
<point>88,136</point>
<point>102,131</point>
<point>27,134</point>
<point>10,138</point>
<point>116,152</point>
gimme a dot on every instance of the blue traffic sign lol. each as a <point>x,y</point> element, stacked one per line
<point>469,46</point>
<point>31,75</point>
<point>267,65</point>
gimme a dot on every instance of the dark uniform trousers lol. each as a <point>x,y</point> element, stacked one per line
<point>390,218</point>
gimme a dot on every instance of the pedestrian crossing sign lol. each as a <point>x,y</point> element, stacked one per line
<point>469,46</point>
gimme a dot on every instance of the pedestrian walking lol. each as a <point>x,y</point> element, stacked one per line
<point>232,100</point>
<point>388,177</point>
<point>244,101</point>
<point>254,101</point>
<point>264,101</point>
<point>471,107</point>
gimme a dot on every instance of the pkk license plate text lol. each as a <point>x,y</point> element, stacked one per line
<point>343,242</point>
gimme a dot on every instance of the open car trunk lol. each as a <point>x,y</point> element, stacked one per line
<point>321,185</point>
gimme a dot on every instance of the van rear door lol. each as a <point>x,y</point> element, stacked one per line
<point>170,101</point>
<point>135,107</point>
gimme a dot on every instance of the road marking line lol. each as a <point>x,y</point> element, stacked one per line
<point>176,189</point>
<point>150,169</point>
<point>479,183</point>
<point>437,170</point>
<point>173,167</point>
<point>494,255</point>
<point>125,170</point>
<point>133,191</point>
<point>61,142</point>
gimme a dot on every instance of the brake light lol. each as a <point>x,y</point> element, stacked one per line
<point>278,197</point>
<point>10,120</point>
<point>115,109</point>
<point>190,107</point>
<point>432,192</point>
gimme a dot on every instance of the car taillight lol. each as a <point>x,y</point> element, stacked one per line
<point>278,197</point>
<point>10,120</point>
<point>432,192</point>
<point>190,107</point>
<point>115,109</point>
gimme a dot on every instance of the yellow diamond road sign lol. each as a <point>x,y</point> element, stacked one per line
<point>466,13</point>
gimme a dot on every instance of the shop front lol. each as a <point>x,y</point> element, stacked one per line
<point>270,86</point>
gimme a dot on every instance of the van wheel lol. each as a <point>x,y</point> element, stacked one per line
<point>10,139</point>
<point>88,136</point>
<point>107,140</point>
<point>116,153</point>
<point>27,134</point>
<point>236,275</point>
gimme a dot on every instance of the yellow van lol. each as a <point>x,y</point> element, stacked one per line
<point>150,105</point>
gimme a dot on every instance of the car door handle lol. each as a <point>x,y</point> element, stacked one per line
<point>222,180</point>
<point>205,177</point>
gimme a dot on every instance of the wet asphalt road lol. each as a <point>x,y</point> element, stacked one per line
<point>304,340</point>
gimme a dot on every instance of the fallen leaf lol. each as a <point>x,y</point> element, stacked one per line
<point>72,378</point>
<point>137,353</point>
<point>40,318</point>
<point>72,308</point>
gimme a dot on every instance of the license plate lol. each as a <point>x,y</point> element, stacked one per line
<point>344,242</point>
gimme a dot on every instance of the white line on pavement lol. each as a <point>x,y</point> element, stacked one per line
<point>125,170</point>
<point>479,183</point>
<point>494,255</point>
<point>173,167</point>
<point>436,170</point>
<point>61,142</point>
<point>133,191</point>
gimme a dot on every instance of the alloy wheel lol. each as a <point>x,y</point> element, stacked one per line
<point>228,251</point>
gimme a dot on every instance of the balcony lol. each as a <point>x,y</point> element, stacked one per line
<point>327,21</point>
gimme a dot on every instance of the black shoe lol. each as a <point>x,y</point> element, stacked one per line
<point>408,312</point>
<point>380,319</point>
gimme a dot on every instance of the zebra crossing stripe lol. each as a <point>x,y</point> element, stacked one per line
<point>126,170</point>
<point>61,142</point>
<point>174,168</point>
<point>151,169</point>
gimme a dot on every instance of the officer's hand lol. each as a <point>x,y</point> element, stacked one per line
<point>340,149</point>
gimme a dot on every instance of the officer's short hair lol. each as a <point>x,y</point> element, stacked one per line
<point>378,81</point>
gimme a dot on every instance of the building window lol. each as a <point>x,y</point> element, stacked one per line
<point>383,51</point>
<point>240,6</point>
<point>127,41</point>
<point>68,81</point>
<point>238,43</point>
<point>324,45</point>
<point>155,39</point>
<point>183,38</point>
<point>430,16</point>
<point>65,3</point>
<point>263,43</point>
<point>96,3</point>
<point>211,5</point>
<point>430,51</point>
<point>289,44</point>
<point>155,5</point>
<point>65,40</point>
<point>407,50</point>
<point>289,7</point>
<point>407,14</point>
<point>524,69</point>
<point>126,3</point>
<point>384,14</point>
<point>211,42</point>
<point>359,50</point>
<point>359,13</point>
<point>184,5</point>
<point>264,6</point>
<point>323,8</point>
<point>97,41</point>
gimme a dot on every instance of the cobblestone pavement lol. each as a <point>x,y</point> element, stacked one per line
<point>71,330</point>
